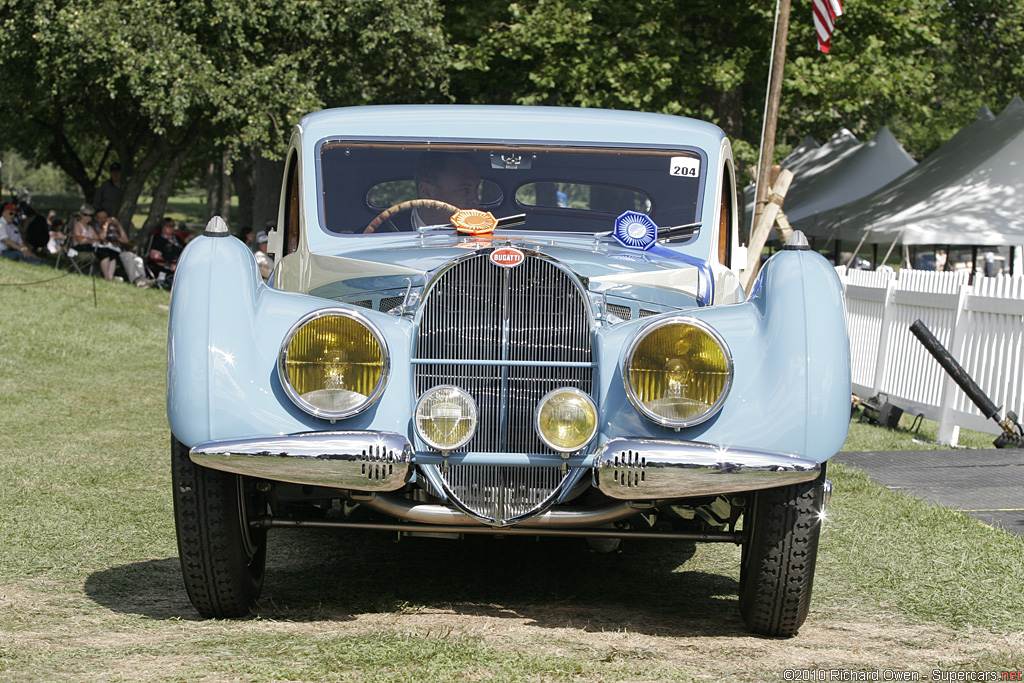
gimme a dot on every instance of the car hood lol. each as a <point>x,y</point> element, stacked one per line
<point>659,275</point>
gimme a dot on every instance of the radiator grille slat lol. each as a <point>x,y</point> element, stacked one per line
<point>532,313</point>
<point>502,493</point>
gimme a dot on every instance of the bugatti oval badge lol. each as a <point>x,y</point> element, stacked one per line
<point>507,257</point>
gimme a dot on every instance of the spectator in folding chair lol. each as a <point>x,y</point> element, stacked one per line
<point>79,249</point>
<point>57,236</point>
<point>35,230</point>
<point>163,253</point>
<point>11,245</point>
<point>83,231</point>
<point>108,243</point>
<point>113,247</point>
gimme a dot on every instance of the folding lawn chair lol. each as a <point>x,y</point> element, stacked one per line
<point>74,260</point>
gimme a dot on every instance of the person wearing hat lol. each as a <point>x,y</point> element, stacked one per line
<point>262,257</point>
<point>11,244</point>
<point>108,195</point>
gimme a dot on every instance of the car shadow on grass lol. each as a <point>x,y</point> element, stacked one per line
<point>321,575</point>
<point>152,588</point>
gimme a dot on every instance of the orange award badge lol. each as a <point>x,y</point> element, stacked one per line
<point>474,222</point>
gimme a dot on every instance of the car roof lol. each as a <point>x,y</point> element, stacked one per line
<point>512,123</point>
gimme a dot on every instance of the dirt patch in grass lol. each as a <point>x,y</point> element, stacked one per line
<point>642,615</point>
<point>101,645</point>
<point>861,642</point>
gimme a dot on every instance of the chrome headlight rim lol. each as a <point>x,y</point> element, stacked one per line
<point>641,335</point>
<point>564,390</point>
<point>430,442</point>
<point>282,368</point>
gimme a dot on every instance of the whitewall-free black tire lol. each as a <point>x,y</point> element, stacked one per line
<point>779,554</point>
<point>222,556</point>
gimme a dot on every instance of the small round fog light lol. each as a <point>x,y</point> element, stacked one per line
<point>445,417</point>
<point>566,419</point>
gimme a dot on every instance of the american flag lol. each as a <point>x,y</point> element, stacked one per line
<point>825,14</point>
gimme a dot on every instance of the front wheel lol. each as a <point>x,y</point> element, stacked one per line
<point>222,556</point>
<point>779,554</point>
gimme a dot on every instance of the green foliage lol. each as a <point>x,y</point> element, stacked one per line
<point>46,179</point>
<point>896,63</point>
<point>152,84</point>
<point>658,55</point>
<point>92,81</point>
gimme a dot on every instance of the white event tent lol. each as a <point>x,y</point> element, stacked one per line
<point>848,177</point>
<point>970,192</point>
<point>840,171</point>
<point>807,155</point>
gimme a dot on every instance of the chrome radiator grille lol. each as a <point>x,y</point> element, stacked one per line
<point>530,314</point>
<point>501,493</point>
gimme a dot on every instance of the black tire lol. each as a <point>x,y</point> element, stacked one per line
<point>222,557</point>
<point>779,554</point>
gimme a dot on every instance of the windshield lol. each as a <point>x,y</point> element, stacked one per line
<point>576,189</point>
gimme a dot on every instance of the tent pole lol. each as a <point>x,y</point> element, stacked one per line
<point>874,256</point>
<point>893,245</point>
<point>853,256</point>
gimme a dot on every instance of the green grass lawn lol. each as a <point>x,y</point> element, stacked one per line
<point>90,588</point>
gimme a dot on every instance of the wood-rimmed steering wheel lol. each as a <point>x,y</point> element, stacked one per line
<point>405,206</point>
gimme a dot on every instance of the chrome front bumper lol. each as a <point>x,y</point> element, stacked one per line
<point>647,469</point>
<point>357,461</point>
<point>624,469</point>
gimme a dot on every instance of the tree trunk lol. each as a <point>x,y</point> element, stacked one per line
<point>133,179</point>
<point>224,187</point>
<point>243,178</point>
<point>267,191</point>
<point>65,156</point>
<point>212,173</point>
<point>257,183</point>
<point>169,174</point>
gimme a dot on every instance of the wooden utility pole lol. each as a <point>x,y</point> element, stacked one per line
<point>771,118</point>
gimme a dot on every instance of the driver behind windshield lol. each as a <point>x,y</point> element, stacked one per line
<point>445,176</point>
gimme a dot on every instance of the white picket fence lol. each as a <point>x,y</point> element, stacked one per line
<point>982,326</point>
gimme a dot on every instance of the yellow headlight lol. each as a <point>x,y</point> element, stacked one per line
<point>446,417</point>
<point>678,372</point>
<point>333,364</point>
<point>566,419</point>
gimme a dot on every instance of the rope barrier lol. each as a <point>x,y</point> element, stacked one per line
<point>37,282</point>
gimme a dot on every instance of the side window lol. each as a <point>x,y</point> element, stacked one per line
<point>290,229</point>
<point>725,219</point>
<point>582,196</point>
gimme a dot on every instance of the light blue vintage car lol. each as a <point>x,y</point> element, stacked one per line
<point>505,320</point>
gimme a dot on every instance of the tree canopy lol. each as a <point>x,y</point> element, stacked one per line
<point>151,84</point>
<point>161,86</point>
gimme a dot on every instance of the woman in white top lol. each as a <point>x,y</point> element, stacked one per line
<point>83,233</point>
